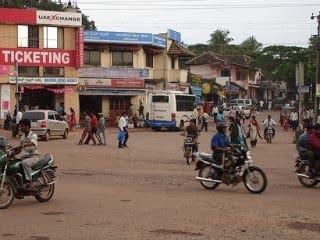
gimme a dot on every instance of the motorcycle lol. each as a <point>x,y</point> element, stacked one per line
<point>12,184</point>
<point>268,135</point>
<point>303,173</point>
<point>236,167</point>
<point>188,145</point>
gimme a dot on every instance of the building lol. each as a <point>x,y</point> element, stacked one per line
<point>119,67</point>
<point>229,74</point>
<point>40,53</point>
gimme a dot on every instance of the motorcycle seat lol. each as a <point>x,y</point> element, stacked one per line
<point>41,163</point>
<point>206,156</point>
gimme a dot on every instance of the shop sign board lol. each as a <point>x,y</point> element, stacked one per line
<point>59,18</point>
<point>116,82</point>
<point>37,57</point>
<point>44,80</point>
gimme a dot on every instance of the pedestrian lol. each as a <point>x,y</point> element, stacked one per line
<point>93,132</point>
<point>101,129</point>
<point>215,112</point>
<point>72,119</point>
<point>294,120</point>
<point>140,111</point>
<point>254,131</point>
<point>205,120</point>
<point>122,129</point>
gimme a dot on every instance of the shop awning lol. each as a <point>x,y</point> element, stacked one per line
<point>111,92</point>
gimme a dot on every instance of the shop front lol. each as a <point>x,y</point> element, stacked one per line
<point>111,97</point>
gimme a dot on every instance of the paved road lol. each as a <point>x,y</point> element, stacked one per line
<point>147,191</point>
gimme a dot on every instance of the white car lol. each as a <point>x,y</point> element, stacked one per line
<point>47,123</point>
<point>246,111</point>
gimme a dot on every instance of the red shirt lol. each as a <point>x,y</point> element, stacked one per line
<point>94,121</point>
<point>314,142</point>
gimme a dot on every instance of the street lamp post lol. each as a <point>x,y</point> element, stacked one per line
<point>17,85</point>
<point>317,80</point>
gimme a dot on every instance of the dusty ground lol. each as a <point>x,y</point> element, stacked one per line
<point>148,192</point>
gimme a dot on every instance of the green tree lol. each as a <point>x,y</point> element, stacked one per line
<point>251,46</point>
<point>219,39</point>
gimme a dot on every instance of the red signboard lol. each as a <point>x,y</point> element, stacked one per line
<point>79,47</point>
<point>127,83</point>
<point>37,57</point>
<point>17,16</point>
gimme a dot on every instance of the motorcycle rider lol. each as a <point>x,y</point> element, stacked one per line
<point>315,146</point>
<point>303,144</point>
<point>219,146</point>
<point>269,123</point>
<point>29,149</point>
<point>193,132</point>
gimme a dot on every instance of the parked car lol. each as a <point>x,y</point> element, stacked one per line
<point>47,123</point>
<point>246,111</point>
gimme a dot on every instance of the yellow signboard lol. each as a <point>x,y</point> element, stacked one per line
<point>206,88</point>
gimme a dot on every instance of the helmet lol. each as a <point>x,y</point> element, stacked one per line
<point>3,142</point>
<point>221,126</point>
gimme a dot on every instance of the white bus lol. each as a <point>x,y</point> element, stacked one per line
<point>169,109</point>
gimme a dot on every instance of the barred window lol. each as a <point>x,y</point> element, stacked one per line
<point>28,36</point>
<point>52,37</point>
<point>53,72</point>
<point>28,71</point>
<point>149,60</point>
<point>122,59</point>
<point>92,57</point>
<point>185,103</point>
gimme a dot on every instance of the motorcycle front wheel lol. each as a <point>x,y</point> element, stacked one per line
<point>45,193</point>
<point>188,155</point>
<point>208,172</point>
<point>307,182</point>
<point>255,180</point>
<point>6,195</point>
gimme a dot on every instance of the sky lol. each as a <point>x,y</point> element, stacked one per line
<point>275,22</point>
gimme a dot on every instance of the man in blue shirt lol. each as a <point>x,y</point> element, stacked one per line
<point>219,146</point>
<point>303,145</point>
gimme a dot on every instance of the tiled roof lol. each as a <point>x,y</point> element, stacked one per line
<point>214,59</point>
<point>180,50</point>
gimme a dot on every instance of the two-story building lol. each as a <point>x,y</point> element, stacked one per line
<point>40,52</point>
<point>229,73</point>
<point>120,67</point>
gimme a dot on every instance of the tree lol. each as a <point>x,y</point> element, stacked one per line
<point>251,46</point>
<point>219,38</point>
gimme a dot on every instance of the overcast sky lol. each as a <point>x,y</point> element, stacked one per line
<point>281,22</point>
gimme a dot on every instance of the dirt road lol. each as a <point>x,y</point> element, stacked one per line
<point>147,191</point>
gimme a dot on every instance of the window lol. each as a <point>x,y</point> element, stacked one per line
<point>160,99</point>
<point>92,57</point>
<point>28,36</point>
<point>185,103</point>
<point>51,115</point>
<point>28,71</point>
<point>52,37</point>
<point>119,103</point>
<point>240,75</point>
<point>149,60</point>
<point>122,59</point>
<point>225,72</point>
<point>53,72</point>
<point>173,63</point>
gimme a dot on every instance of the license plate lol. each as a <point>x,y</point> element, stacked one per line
<point>33,124</point>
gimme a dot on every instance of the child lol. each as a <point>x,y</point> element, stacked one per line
<point>285,123</point>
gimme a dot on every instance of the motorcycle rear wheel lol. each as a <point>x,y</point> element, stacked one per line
<point>7,196</point>
<point>307,182</point>
<point>255,180</point>
<point>45,193</point>
<point>208,172</point>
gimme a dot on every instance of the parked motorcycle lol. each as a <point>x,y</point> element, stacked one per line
<point>236,167</point>
<point>303,173</point>
<point>12,184</point>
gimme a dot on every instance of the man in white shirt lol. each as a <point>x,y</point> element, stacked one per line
<point>294,120</point>
<point>123,125</point>
<point>269,123</point>
<point>18,119</point>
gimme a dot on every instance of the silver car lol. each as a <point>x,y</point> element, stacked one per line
<point>47,123</point>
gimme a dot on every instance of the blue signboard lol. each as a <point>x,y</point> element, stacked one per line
<point>174,35</point>
<point>124,37</point>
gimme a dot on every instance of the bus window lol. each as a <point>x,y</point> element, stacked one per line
<point>185,103</point>
<point>160,99</point>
